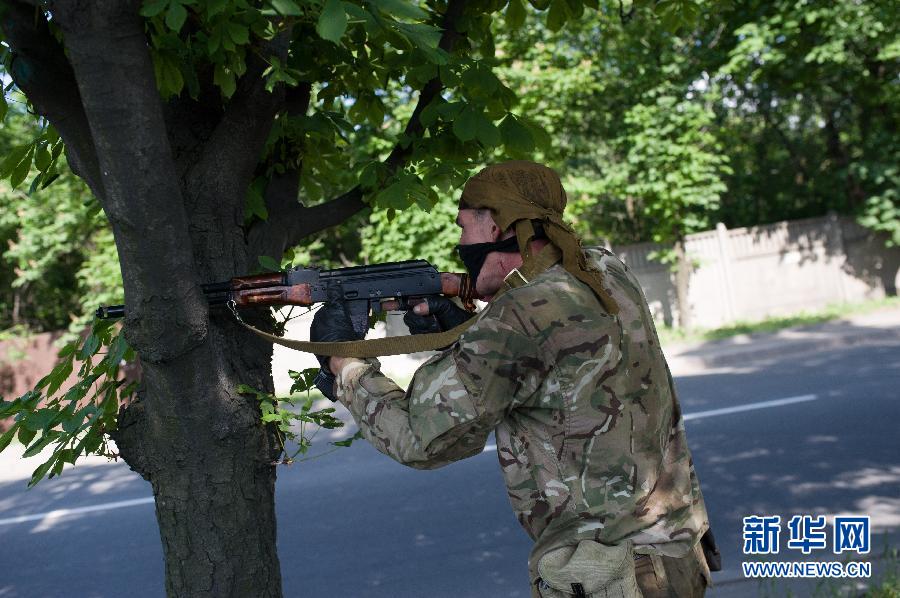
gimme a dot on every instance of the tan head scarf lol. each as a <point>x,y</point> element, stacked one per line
<point>518,192</point>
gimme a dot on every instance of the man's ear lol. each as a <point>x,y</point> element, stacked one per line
<point>496,233</point>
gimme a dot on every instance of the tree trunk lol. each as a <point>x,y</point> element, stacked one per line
<point>176,219</point>
<point>683,269</point>
<point>210,462</point>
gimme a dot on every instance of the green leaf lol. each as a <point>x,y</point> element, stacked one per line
<point>214,7</point>
<point>375,111</point>
<point>269,263</point>
<point>332,22</point>
<point>21,170</point>
<point>71,425</point>
<point>7,437</point>
<point>448,76</point>
<point>287,8</point>
<point>47,180</point>
<point>394,196</point>
<point>431,112</point>
<point>169,78</point>
<point>13,159</point>
<point>42,158</point>
<point>515,14</point>
<point>92,441</point>
<point>51,135</point>
<point>401,8</point>
<point>576,8</point>
<point>68,349</point>
<point>368,178</point>
<point>558,15</point>
<point>35,183</point>
<point>541,138</point>
<point>487,133</point>
<point>225,80</point>
<point>58,376</point>
<point>25,435</point>
<point>41,471</point>
<point>67,456</point>
<point>115,353</point>
<point>465,126</point>
<point>480,78</point>
<point>39,420</point>
<point>38,446</point>
<point>151,8</point>
<point>57,467</point>
<point>255,202</point>
<point>175,16</point>
<point>4,107</point>
<point>239,34</point>
<point>349,441</point>
<point>515,136</point>
<point>90,347</point>
<point>303,382</point>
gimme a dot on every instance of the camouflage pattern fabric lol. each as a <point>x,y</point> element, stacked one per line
<point>589,431</point>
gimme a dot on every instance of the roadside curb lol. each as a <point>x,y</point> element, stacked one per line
<point>876,328</point>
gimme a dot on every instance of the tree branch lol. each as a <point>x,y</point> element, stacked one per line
<point>40,69</point>
<point>225,167</point>
<point>281,191</point>
<point>299,221</point>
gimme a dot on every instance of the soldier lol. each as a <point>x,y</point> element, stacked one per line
<point>564,366</point>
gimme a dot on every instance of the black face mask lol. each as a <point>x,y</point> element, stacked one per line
<point>473,255</point>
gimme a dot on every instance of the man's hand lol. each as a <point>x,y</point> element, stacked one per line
<point>331,324</point>
<point>435,314</point>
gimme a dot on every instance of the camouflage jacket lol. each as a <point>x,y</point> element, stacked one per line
<point>588,427</point>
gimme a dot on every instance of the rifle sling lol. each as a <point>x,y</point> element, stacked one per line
<point>397,345</point>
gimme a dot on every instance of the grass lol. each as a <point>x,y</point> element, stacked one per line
<point>888,584</point>
<point>835,311</point>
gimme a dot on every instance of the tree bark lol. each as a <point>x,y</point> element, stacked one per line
<point>210,462</point>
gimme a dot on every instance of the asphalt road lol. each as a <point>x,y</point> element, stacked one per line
<point>356,524</point>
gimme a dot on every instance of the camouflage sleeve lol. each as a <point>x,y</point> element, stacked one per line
<point>454,400</point>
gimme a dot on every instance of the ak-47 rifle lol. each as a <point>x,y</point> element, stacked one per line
<point>395,285</point>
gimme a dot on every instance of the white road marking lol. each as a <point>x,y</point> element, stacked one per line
<point>487,449</point>
<point>749,407</point>
<point>76,511</point>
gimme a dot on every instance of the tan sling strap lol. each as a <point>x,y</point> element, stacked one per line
<point>397,345</point>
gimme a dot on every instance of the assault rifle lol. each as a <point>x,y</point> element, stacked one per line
<point>395,285</point>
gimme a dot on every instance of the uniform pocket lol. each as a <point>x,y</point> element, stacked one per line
<point>588,570</point>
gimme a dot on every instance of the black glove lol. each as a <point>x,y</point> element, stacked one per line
<point>331,324</point>
<point>443,315</point>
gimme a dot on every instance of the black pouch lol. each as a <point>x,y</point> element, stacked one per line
<point>711,551</point>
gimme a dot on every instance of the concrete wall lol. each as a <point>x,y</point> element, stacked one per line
<point>783,268</point>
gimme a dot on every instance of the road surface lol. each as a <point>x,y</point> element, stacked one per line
<point>813,433</point>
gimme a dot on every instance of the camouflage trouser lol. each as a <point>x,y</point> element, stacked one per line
<point>669,577</point>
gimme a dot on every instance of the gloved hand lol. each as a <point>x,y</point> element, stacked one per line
<point>443,315</point>
<point>330,324</point>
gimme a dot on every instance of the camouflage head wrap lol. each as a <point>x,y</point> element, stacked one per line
<point>519,192</point>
